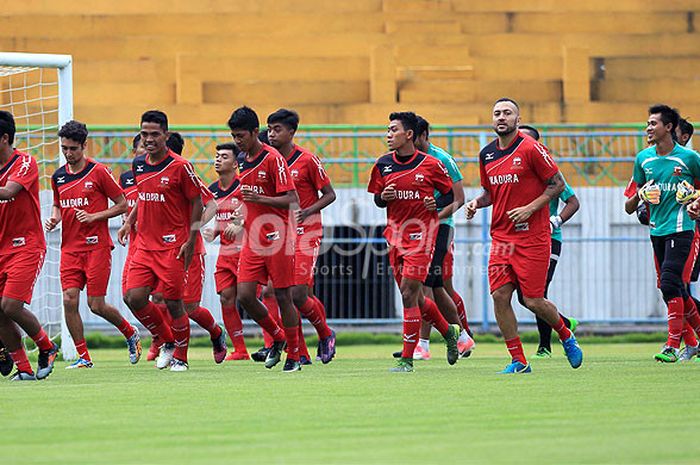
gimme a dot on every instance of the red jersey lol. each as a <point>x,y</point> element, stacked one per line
<point>128,185</point>
<point>267,174</point>
<point>309,177</point>
<point>409,223</point>
<point>515,176</point>
<point>20,217</point>
<point>164,194</point>
<point>207,196</point>
<point>229,204</point>
<point>88,190</point>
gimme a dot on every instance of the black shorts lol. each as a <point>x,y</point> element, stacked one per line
<point>442,244</point>
<point>672,253</point>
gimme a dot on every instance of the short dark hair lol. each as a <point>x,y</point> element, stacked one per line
<point>244,118</point>
<point>423,126</point>
<point>74,130</point>
<point>155,116</point>
<point>686,127</point>
<point>288,118</point>
<point>263,137</point>
<point>228,146</point>
<point>668,115</point>
<point>507,99</point>
<point>175,142</point>
<point>531,128</point>
<point>7,125</point>
<point>408,119</point>
<point>135,142</point>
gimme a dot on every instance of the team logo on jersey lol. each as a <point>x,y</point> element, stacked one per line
<point>517,164</point>
<point>89,185</point>
<point>295,174</point>
<point>165,180</point>
<point>91,240</point>
<point>18,242</point>
<point>677,171</point>
<point>169,239</point>
<point>262,174</point>
<point>419,178</point>
<point>273,236</point>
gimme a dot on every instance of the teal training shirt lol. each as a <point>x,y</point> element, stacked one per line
<point>682,164</point>
<point>452,169</point>
<point>566,194</point>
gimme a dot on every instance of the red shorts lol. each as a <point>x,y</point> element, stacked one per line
<point>257,267</point>
<point>151,267</point>
<point>449,262</point>
<point>225,274</point>
<point>410,263</point>
<point>305,258</point>
<point>19,272</point>
<point>194,280</point>
<point>524,264</point>
<point>91,267</point>
<point>125,271</point>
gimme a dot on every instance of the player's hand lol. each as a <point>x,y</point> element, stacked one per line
<point>520,214</point>
<point>389,193</point>
<point>250,196</point>
<point>51,223</point>
<point>694,209</point>
<point>555,222</point>
<point>685,193</point>
<point>83,216</point>
<point>650,193</point>
<point>209,235</point>
<point>301,215</point>
<point>470,209</point>
<point>186,252</point>
<point>123,233</point>
<point>233,228</point>
<point>430,203</point>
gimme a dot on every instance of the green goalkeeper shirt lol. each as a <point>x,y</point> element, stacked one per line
<point>682,164</point>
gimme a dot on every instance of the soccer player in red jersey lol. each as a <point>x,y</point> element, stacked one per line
<point>268,193</point>
<point>82,189</point>
<point>309,179</point>
<point>229,228</point>
<point>404,182</point>
<point>22,250</point>
<point>168,215</point>
<point>519,179</point>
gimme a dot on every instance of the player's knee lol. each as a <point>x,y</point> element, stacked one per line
<point>247,298</point>
<point>409,295</point>
<point>502,296</point>
<point>671,286</point>
<point>299,295</point>
<point>70,298</point>
<point>97,305</point>
<point>283,296</point>
<point>227,298</point>
<point>191,307</point>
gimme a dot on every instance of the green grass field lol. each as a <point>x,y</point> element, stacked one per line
<point>619,408</point>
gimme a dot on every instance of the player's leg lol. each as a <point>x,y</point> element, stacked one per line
<point>422,351</point>
<point>71,300</point>
<point>6,362</point>
<point>273,309</point>
<point>225,279</point>
<point>690,311</point>
<point>466,340</point>
<point>9,332</point>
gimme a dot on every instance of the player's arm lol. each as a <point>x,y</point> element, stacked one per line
<point>209,211</point>
<point>327,197</point>
<point>187,249</point>
<point>117,209</point>
<point>571,206</point>
<point>285,201</point>
<point>10,190</point>
<point>554,186</point>
<point>482,200</point>
<point>456,203</point>
<point>631,205</point>
<point>129,220</point>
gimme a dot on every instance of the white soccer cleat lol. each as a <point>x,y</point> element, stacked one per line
<point>178,365</point>
<point>165,358</point>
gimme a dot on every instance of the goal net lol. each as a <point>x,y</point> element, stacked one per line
<point>38,90</point>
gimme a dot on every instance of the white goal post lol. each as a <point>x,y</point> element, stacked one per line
<point>37,89</point>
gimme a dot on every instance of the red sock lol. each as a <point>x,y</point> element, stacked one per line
<point>203,318</point>
<point>311,312</point>
<point>81,348</point>
<point>430,313</point>
<point>126,329</point>
<point>19,356</point>
<point>42,341</point>
<point>411,330</point>
<point>562,330</point>
<point>688,335</point>
<point>273,310</point>
<point>675,321</point>
<point>292,334</point>
<point>319,306</point>
<point>461,311</point>
<point>692,318</point>
<point>234,327</point>
<point>163,309</point>
<point>272,328</point>
<point>181,333</point>
<point>152,319</point>
<point>515,347</point>
<point>303,349</point>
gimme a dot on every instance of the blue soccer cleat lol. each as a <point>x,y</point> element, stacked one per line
<point>80,363</point>
<point>573,352</point>
<point>515,367</point>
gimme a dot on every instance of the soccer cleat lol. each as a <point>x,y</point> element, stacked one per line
<point>23,376</point>
<point>465,348</point>
<point>405,365</point>
<point>451,342</point>
<point>667,355</point>
<point>543,352</point>
<point>178,365</point>
<point>688,353</point>
<point>275,353</point>
<point>574,324</point>
<point>327,347</point>
<point>260,355</point>
<point>153,351</point>
<point>134,345</point>
<point>573,352</point>
<point>291,365</point>
<point>6,362</point>
<point>46,361</point>
<point>397,354</point>
<point>421,354</point>
<point>80,363</point>
<point>219,347</point>
<point>304,360</point>
<point>237,356</point>
<point>165,357</point>
<point>515,367</point>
